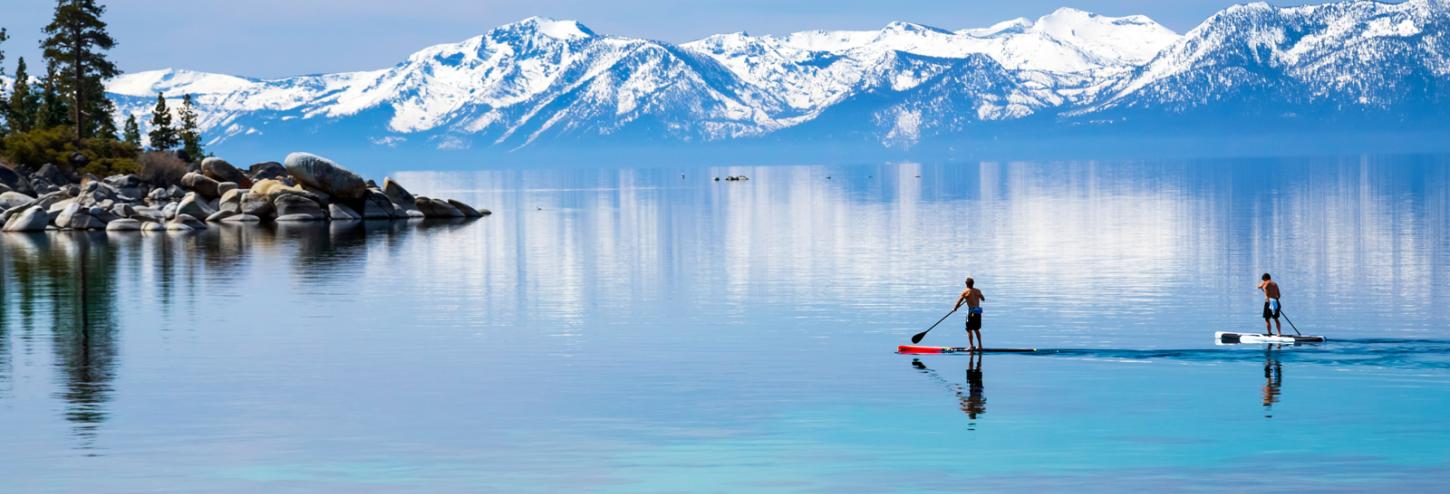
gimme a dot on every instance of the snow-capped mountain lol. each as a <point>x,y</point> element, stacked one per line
<point>542,83</point>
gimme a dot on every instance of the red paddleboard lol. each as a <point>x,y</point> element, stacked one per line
<point>919,350</point>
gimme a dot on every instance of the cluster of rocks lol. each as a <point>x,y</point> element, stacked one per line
<point>734,178</point>
<point>304,187</point>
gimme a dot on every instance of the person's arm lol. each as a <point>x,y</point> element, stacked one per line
<point>981,295</point>
<point>961,299</point>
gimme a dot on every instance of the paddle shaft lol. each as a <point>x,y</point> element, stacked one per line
<point>1291,322</point>
<point>919,336</point>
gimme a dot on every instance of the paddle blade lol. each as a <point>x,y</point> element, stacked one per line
<point>917,339</point>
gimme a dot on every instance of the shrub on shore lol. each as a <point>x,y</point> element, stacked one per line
<point>161,168</point>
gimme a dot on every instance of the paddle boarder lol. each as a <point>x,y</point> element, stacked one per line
<point>1271,304</point>
<point>973,298</point>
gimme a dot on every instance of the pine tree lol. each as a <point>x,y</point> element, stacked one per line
<point>163,135</point>
<point>5,125</point>
<point>24,104</point>
<point>190,135</point>
<point>54,111</point>
<point>132,134</point>
<point>75,42</point>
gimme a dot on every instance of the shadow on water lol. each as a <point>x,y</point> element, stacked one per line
<point>69,280</point>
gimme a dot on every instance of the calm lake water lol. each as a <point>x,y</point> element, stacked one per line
<point>651,330</point>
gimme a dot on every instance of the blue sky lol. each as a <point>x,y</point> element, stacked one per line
<point>274,38</point>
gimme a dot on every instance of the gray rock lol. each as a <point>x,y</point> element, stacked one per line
<point>231,200</point>
<point>201,184</point>
<point>468,211</point>
<point>32,219</point>
<point>339,212</point>
<point>194,206</point>
<point>323,174</point>
<point>437,208</point>
<point>376,206</point>
<point>295,204</point>
<point>67,214</point>
<point>158,196</point>
<point>218,169</point>
<point>123,225</point>
<point>83,221</point>
<point>270,169</point>
<point>124,210</point>
<point>72,190</point>
<point>220,215</point>
<point>14,199</point>
<point>225,187</point>
<point>152,226</point>
<point>294,218</point>
<point>51,174</point>
<point>58,206</point>
<point>187,220</point>
<point>400,196</point>
<point>259,206</point>
<point>149,214</point>
<point>169,210</point>
<point>320,196</point>
<point>241,218</point>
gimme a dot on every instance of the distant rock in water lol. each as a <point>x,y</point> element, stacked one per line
<point>437,208</point>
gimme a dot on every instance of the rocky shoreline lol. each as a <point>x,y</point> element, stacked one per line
<point>303,188</point>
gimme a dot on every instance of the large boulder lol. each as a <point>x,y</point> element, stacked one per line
<point>218,169</point>
<point>129,186</point>
<point>376,206</point>
<point>323,174</point>
<point>195,206</point>
<point>14,199</point>
<point>32,219</point>
<point>468,211</point>
<point>295,207</point>
<point>437,208</point>
<point>241,218</point>
<point>267,170</point>
<point>258,205</point>
<point>400,196</point>
<point>68,213</point>
<point>201,184</point>
<point>220,215</point>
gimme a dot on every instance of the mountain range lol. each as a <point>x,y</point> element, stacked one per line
<point>542,85</point>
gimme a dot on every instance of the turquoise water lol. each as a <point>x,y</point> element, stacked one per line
<point>636,330</point>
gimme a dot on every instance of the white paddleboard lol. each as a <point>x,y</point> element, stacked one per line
<point>1234,338</point>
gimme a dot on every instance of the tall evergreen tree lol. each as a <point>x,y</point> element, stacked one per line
<point>4,125</point>
<point>54,111</point>
<point>24,104</point>
<point>190,134</point>
<point>163,135</point>
<point>75,42</point>
<point>132,132</point>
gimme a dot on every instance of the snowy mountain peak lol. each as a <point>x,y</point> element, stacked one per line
<point>566,30</point>
<point>175,82</point>
<point>912,28</point>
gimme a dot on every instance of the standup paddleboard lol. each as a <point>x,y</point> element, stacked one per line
<point>1233,338</point>
<point>912,349</point>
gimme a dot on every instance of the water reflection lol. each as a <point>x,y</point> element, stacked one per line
<point>1273,378</point>
<point>971,399</point>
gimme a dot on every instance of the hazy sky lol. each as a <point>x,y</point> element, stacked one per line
<point>274,38</point>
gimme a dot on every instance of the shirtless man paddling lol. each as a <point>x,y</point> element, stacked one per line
<point>973,298</point>
<point>1271,305</point>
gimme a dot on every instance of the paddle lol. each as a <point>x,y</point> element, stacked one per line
<point>1291,322</point>
<point>917,339</point>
